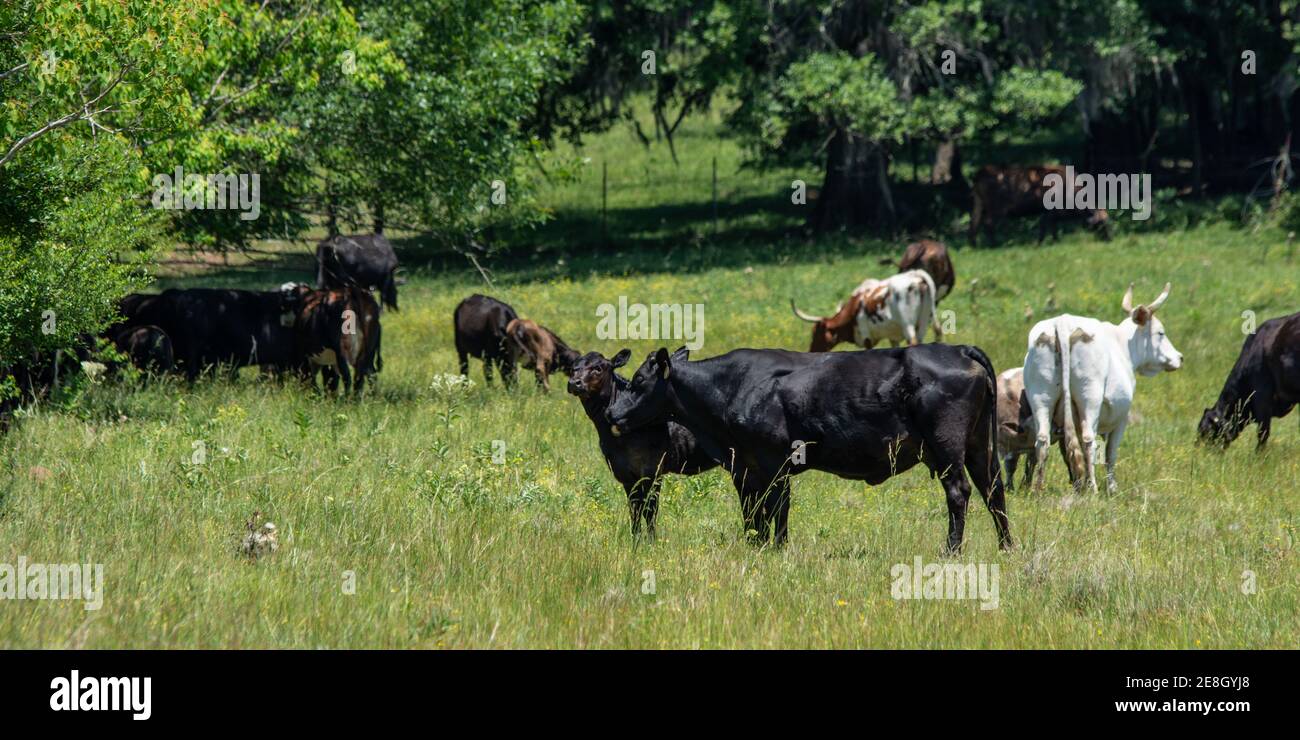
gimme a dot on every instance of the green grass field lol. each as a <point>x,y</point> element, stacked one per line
<point>399,495</point>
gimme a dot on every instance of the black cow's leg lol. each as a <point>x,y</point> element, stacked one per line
<point>749,507</point>
<point>507,370</point>
<point>776,509</point>
<point>650,511</point>
<point>329,380</point>
<point>957,490</point>
<point>994,495</point>
<point>346,373</point>
<point>487,368</point>
<point>636,503</point>
<point>1265,427</point>
<point>1262,410</point>
<point>464,363</point>
<point>1011,461</point>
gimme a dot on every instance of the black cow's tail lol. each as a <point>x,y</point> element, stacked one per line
<point>389,290</point>
<point>990,408</point>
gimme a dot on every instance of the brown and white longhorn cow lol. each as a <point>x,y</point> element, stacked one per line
<point>898,309</point>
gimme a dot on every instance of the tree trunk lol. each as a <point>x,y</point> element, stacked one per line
<point>331,214</point>
<point>855,191</point>
<point>379,216</point>
<point>941,171</point>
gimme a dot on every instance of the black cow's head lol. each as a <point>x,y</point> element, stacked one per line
<point>1220,429</point>
<point>592,374</point>
<point>645,400</point>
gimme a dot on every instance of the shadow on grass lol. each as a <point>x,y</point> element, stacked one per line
<point>673,237</point>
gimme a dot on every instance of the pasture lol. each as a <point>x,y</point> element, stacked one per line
<point>397,499</point>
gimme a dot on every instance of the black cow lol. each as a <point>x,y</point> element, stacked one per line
<point>147,346</point>
<point>480,323</point>
<point>1262,386</point>
<point>769,414</point>
<point>214,326</point>
<point>637,458</point>
<point>365,260</point>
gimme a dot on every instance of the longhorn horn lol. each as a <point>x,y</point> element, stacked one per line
<point>1128,299</point>
<point>1164,296</point>
<point>806,317</point>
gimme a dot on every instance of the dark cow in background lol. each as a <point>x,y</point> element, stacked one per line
<point>540,349</point>
<point>147,346</point>
<point>364,260</point>
<point>1002,191</point>
<point>1263,385</point>
<point>931,256</point>
<point>480,324</point>
<point>215,326</point>
<point>768,414</point>
<point>641,457</point>
<point>338,334</point>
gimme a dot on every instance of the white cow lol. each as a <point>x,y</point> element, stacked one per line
<point>1094,363</point>
<point>897,309</point>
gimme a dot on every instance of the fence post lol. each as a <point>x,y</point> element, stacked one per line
<point>604,202</point>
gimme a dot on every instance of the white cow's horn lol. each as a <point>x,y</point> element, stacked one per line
<point>1157,303</point>
<point>806,317</point>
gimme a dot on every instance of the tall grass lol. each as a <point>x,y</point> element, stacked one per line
<point>399,495</point>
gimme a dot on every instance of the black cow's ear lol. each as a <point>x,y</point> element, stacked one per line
<point>681,354</point>
<point>620,359</point>
<point>664,362</point>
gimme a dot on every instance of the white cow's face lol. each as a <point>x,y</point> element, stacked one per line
<point>1149,345</point>
<point>1151,349</point>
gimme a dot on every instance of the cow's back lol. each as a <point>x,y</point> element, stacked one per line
<point>480,324</point>
<point>931,256</point>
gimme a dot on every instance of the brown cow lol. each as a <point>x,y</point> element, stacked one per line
<point>541,349</point>
<point>1002,191</point>
<point>931,256</point>
<point>1016,430</point>
<point>338,333</point>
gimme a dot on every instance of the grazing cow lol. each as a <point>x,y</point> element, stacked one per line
<point>338,333</point>
<point>768,414</point>
<point>148,347</point>
<point>1089,366</point>
<point>365,260</point>
<point>1264,384</point>
<point>1016,430</point>
<point>214,326</point>
<point>1002,191</point>
<point>480,323</point>
<point>638,458</point>
<point>897,308</point>
<point>540,349</point>
<point>931,256</point>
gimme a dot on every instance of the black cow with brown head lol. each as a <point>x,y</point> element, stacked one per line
<point>639,458</point>
<point>338,335</point>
